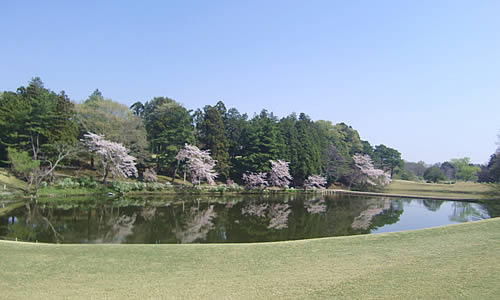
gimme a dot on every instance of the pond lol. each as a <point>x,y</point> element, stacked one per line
<point>225,219</point>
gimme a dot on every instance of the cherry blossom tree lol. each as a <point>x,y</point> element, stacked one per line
<point>315,181</point>
<point>368,174</point>
<point>200,164</point>
<point>255,180</point>
<point>280,173</point>
<point>114,156</point>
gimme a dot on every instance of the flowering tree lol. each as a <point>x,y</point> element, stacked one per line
<point>255,180</point>
<point>368,174</point>
<point>149,175</point>
<point>114,156</point>
<point>280,173</point>
<point>315,181</point>
<point>200,164</point>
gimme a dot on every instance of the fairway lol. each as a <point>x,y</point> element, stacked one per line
<point>457,261</point>
<point>459,190</point>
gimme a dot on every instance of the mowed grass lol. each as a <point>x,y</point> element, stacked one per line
<point>457,190</point>
<point>457,261</point>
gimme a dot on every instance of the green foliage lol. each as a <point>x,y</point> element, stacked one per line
<point>22,163</point>
<point>33,117</point>
<point>121,187</point>
<point>116,122</point>
<point>387,158</point>
<point>67,183</point>
<point>465,170</point>
<point>211,135</point>
<point>434,174</point>
<point>169,126</point>
<point>88,182</point>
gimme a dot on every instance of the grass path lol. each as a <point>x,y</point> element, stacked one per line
<point>457,261</point>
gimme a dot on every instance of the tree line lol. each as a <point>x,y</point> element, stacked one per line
<point>36,122</point>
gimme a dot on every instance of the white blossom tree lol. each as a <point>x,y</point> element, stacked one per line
<point>255,180</point>
<point>200,164</point>
<point>315,181</point>
<point>280,173</point>
<point>114,156</point>
<point>368,174</point>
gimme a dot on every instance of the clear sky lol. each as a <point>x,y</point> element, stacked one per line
<point>418,76</point>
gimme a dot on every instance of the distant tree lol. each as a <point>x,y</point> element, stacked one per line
<point>280,173</point>
<point>200,164</point>
<point>33,118</point>
<point>387,158</point>
<point>315,181</point>
<point>255,180</point>
<point>137,108</point>
<point>448,170</point>
<point>434,174</point>
<point>465,169</point>
<point>114,156</point>
<point>169,127</point>
<point>34,171</point>
<point>211,132</point>
<point>116,122</point>
<point>417,168</point>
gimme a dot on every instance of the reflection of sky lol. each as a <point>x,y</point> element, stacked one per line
<point>417,216</point>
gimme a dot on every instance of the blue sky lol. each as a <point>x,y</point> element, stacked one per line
<point>418,76</point>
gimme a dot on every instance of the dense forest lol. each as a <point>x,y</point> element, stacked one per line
<point>38,123</point>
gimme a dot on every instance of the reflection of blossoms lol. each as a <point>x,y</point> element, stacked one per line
<point>279,216</point>
<point>121,228</point>
<point>315,206</point>
<point>254,209</point>
<point>277,213</point>
<point>198,225</point>
<point>148,213</point>
<point>364,220</point>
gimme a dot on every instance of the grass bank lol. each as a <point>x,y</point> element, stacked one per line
<point>457,261</point>
<point>459,190</point>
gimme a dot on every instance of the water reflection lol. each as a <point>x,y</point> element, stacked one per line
<point>226,219</point>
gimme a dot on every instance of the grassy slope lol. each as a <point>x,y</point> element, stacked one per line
<point>457,190</point>
<point>457,261</point>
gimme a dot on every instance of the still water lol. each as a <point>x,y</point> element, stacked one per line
<point>234,219</point>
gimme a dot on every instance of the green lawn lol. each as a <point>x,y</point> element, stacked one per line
<point>457,261</point>
<point>457,190</point>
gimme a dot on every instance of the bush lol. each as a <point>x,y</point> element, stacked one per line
<point>88,182</point>
<point>149,175</point>
<point>139,186</point>
<point>121,187</point>
<point>67,183</point>
<point>155,186</point>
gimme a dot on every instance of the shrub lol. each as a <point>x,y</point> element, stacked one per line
<point>149,175</point>
<point>121,187</point>
<point>67,183</point>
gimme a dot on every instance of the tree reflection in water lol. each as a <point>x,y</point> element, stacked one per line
<point>315,205</point>
<point>198,224</point>
<point>232,219</point>
<point>465,211</point>
<point>375,206</point>
<point>279,216</point>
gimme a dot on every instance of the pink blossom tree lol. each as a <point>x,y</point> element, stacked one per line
<point>368,174</point>
<point>255,180</point>
<point>280,173</point>
<point>200,164</point>
<point>114,156</point>
<point>315,181</point>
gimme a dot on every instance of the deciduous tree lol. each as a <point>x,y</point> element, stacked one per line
<point>114,156</point>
